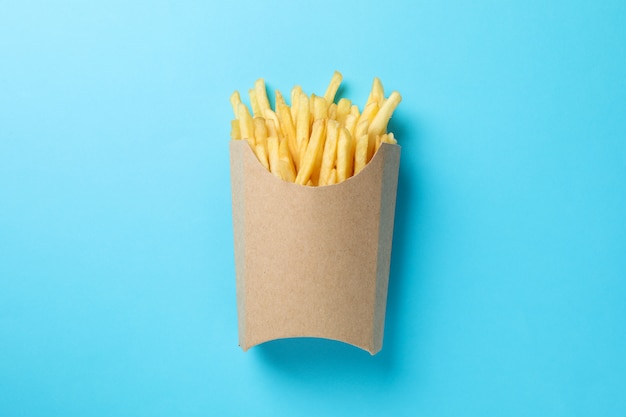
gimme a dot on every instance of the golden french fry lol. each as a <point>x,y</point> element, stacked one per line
<point>235,100</point>
<point>287,170</point>
<point>343,109</point>
<point>361,128</point>
<point>332,177</point>
<point>332,111</point>
<point>313,148</point>
<point>386,138</point>
<point>260,130</point>
<point>260,141</point>
<point>345,155</point>
<point>379,140</point>
<point>254,103</point>
<point>235,132</point>
<point>333,86</point>
<point>369,112</point>
<point>302,121</point>
<point>319,107</point>
<point>270,115</point>
<point>273,155</point>
<point>300,156</point>
<point>360,154</point>
<point>311,109</point>
<point>288,127</point>
<point>372,147</point>
<point>271,127</point>
<point>379,124</point>
<point>295,101</point>
<point>377,94</point>
<point>350,123</point>
<point>261,155</point>
<point>329,156</point>
<point>261,96</point>
<point>280,100</point>
<point>362,143</point>
<point>246,125</point>
<point>354,110</point>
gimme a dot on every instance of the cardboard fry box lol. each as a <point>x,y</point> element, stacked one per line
<point>313,261</point>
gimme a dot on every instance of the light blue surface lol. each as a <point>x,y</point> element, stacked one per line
<point>508,280</point>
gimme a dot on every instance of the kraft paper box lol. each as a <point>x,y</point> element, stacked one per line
<point>313,261</point>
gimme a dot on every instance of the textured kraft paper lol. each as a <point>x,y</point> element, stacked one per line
<point>313,261</point>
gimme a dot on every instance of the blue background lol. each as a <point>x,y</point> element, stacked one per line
<point>508,280</point>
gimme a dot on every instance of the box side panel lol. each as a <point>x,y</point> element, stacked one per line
<point>238,200</point>
<point>389,187</point>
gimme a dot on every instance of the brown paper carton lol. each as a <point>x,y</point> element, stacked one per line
<point>313,261</point>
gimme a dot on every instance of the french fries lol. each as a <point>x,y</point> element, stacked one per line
<point>315,141</point>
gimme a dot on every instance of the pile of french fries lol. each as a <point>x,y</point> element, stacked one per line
<point>315,141</point>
